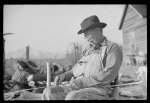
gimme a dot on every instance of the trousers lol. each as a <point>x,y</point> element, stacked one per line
<point>66,93</point>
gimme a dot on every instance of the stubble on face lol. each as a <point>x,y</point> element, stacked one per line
<point>93,36</point>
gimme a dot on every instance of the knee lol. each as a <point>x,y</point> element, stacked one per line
<point>73,95</point>
<point>52,90</point>
<point>47,94</point>
<point>47,90</point>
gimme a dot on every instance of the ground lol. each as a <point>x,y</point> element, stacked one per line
<point>132,92</point>
<point>129,70</point>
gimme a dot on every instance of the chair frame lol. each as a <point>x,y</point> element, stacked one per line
<point>115,94</point>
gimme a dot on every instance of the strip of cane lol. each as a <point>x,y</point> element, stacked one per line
<point>48,74</point>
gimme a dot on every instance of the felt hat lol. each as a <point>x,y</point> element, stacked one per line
<point>91,22</point>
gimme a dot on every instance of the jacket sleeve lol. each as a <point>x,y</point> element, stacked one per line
<point>110,71</point>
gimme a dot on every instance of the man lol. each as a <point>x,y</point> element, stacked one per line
<point>98,67</point>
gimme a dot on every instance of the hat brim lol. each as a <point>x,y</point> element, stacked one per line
<point>103,25</point>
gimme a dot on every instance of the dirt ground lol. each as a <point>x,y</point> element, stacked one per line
<point>135,92</point>
<point>129,70</point>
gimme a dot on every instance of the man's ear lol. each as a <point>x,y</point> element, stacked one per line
<point>100,30</point>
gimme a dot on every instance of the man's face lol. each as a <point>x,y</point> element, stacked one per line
<point>93,35</point>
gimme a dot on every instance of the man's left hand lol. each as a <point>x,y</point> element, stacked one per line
<point>77,84</point>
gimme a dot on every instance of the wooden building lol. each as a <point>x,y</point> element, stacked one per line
<point>134,30</point>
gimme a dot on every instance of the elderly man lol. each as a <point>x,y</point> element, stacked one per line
<point>99,66</point>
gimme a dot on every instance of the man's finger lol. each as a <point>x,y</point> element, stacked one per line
<point>61,79</point>
<point>73,86</point>
<point>56,81</point>
<point>72,80</point>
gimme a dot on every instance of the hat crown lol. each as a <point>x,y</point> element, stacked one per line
<point>89,21</point>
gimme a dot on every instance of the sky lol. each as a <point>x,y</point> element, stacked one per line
<point>52,27</point>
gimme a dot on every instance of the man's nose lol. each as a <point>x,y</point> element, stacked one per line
<point>86,37</point>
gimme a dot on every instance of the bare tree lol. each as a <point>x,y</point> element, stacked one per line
<point>75,54</point>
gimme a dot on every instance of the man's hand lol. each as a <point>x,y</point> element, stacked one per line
<point>56,80</point>
<point>77,84</point>
<point>59,79</point>
<point>63,77</point>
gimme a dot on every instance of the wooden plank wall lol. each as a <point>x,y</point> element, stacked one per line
<point>141,38</point>
<point>134,23</point>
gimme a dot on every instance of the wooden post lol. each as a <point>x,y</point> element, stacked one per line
<point>75,56</point>
<point>48,74</point>
<point>4,60</point>
<point>115,93</point>
<point>4,55</point>
<point>27,52</point>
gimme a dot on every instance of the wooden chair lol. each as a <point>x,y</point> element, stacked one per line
<point>115,94</point>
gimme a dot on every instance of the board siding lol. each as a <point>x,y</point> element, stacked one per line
<point>134,23</point>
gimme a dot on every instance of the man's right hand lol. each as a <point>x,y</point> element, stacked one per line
<point>63,77</point>
<point>56,80</point>
<point>59,79</point>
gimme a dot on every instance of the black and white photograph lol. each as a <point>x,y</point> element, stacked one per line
<point>74,52</point>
